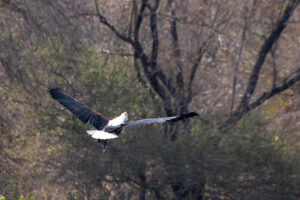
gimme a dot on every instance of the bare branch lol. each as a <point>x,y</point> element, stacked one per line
<point>140,54</point>
<point>111,27</point>
<point>138,23</point>
<point>201,51</point>
<point>132,17</point>
<point>155,42</point>
<point>236,69</point>
<point>267,95</point>
<point>275,34</point>
<point>27,16</point>
<point>196,64</point>
<point>288,82</point>
<point>177,51</point>
<point>138,72</point>
<point>154,33</point>
<point>274,67</point>
<point>166,81</point>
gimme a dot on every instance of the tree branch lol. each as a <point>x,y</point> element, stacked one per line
<point>27,16</point>
<point>166,81</point>
<point>236,69</point>
<point>138,23</point>
<point>237,115</point>
<point>155,43</point>
<point>196,64</point>
<point>138,72</point>
<point>140,54</point>
<point>275,34</point>
<point>154,33</point>
<point>274,68</point>
<point>177,51</point>
<point>104,21</point>
<point>132,17</point>
<point>267,95</point>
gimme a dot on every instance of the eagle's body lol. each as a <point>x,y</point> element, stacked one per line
<point>106,129</point>
<point>111,130</point>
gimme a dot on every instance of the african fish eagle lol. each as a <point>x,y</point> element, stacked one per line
<point>105,129</point>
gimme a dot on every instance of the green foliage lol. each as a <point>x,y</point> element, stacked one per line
<point>51,152</point>
<point>28,197</point>
<point>104,85</point>
<point>249,161</point>
<point>246,161</point>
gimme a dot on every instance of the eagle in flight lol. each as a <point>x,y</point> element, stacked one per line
<point>105,129</point>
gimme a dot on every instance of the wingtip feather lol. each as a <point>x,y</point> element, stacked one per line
<point>184,116</point>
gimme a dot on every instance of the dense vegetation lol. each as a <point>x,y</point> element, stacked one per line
<point>238,148</point>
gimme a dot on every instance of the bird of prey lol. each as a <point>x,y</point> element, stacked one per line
<point>105,129</point>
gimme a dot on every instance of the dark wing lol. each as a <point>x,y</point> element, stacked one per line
<point>160,120</point>
<point>81,111</point>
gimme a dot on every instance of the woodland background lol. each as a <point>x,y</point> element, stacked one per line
<point>235,62</point>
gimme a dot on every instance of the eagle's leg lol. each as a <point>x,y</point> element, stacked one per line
<point>104,144</point>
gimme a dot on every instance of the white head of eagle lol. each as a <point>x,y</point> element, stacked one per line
<point>119,120</point>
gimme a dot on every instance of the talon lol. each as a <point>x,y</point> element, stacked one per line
<point>104,144</point>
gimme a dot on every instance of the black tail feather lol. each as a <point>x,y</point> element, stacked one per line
<point>184,116</point>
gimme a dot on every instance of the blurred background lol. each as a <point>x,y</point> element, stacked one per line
<point>236,63</point>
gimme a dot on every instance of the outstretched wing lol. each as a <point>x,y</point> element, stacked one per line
<point>81,111</point>
<point>160,120</point>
